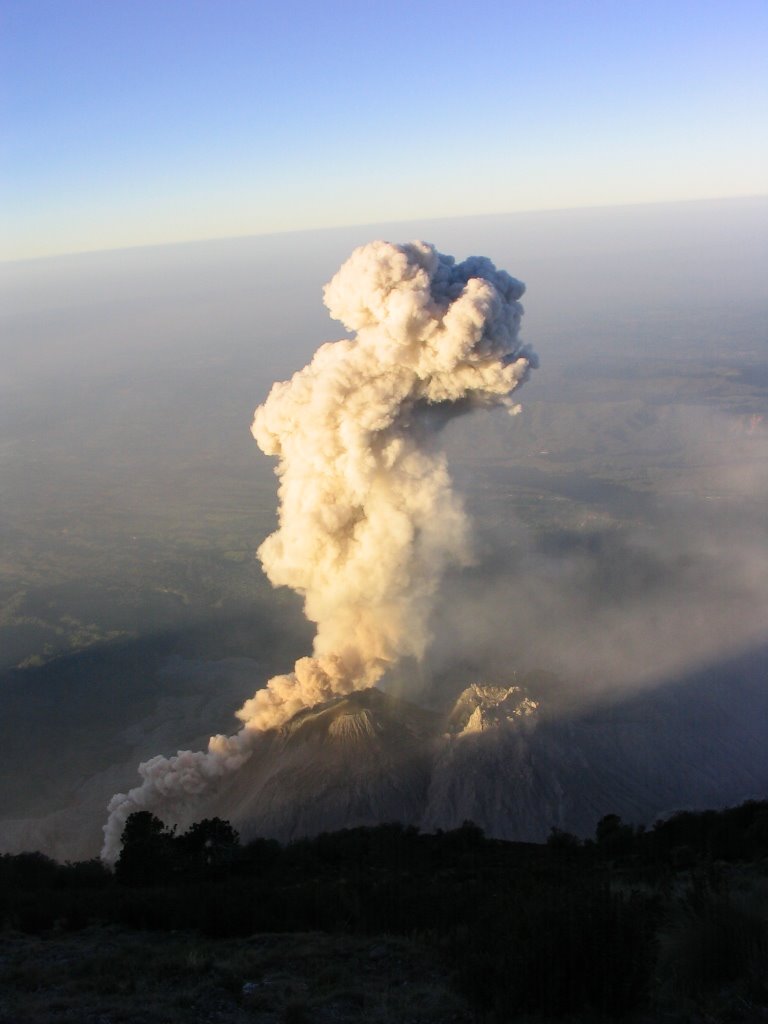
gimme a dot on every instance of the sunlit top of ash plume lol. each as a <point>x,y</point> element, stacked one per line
<point>368,519</point>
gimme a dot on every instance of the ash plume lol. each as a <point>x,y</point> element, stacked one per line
<point>368,520</point>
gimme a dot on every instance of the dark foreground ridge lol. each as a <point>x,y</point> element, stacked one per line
<point>669,923</point>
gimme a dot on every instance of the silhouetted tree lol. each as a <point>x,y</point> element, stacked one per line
<point>210,843</point>
<point>614,838</point>
<point>147,854</point>
<point>563,842</point>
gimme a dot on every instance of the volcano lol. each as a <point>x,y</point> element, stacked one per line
<point>509,760</point>
<point>368,520</point>
<point>355,760</point>
<point>499,758</point>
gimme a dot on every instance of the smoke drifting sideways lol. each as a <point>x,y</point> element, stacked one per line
<point>368,520</point>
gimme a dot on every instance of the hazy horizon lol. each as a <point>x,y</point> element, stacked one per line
<point>394,224</point>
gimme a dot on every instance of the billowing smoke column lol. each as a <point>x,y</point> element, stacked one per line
<point>368,519</point>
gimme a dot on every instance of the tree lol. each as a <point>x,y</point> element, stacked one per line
<point>147,853</point>
<point>561,841</point>
<point>614,838</point>
<point>209,843</point>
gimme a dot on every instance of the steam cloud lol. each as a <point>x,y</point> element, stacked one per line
<point>368,519</point>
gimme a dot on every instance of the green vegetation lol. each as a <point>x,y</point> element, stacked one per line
<point>669,921</point>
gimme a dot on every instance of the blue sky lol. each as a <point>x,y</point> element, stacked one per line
<point>130,122</point>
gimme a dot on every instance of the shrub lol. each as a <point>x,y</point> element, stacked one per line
<point>558,949</point>
<point>713,940</point>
